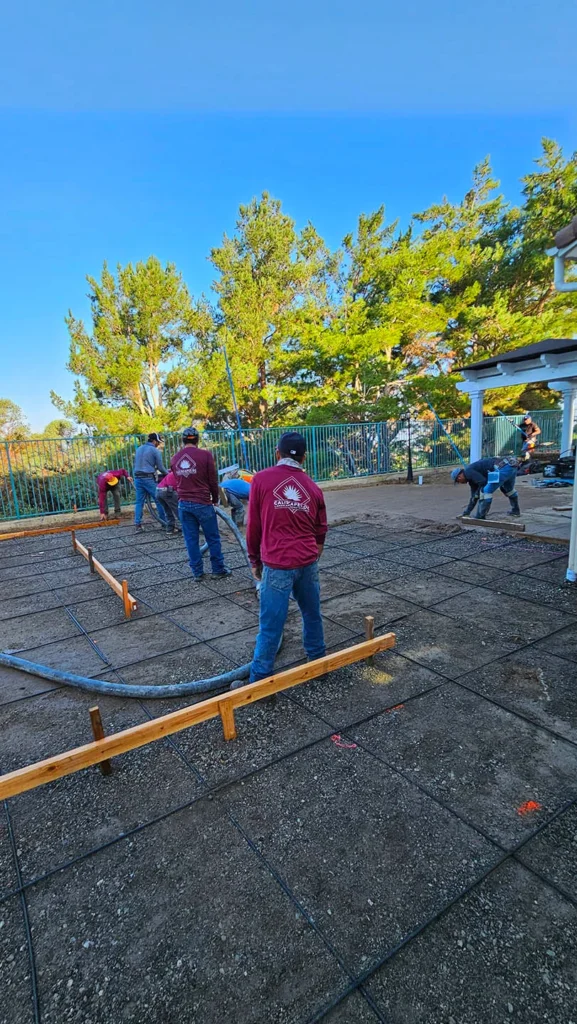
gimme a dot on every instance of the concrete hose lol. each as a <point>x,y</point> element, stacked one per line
<point>53,675</point>
<point>221,682</point>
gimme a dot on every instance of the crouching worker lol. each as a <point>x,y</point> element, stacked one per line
<point>197,485</point>
<point>485,477</point>
<point>167,497</point>
<point>287,526</point>
<point>109,483</point>
<point>237,490</point>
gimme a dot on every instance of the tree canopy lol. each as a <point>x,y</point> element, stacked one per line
<point>140,321</point>
<point>317,336</point>
<point>13,425</point>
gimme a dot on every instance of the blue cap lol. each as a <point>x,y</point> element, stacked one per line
<point>455,473</point>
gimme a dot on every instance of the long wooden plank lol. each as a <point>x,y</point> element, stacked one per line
<point>58,529</point>
<point>107,576</point>
<point>71,761</point>
<point>494,524</point>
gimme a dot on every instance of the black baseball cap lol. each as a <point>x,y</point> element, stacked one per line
<point>190,432</point>
<point>154,437</point>
<point>292,444</point>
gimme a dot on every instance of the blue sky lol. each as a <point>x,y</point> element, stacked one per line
<point>140,130</point>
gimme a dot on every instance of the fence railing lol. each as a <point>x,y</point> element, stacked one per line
<point>44,477</point>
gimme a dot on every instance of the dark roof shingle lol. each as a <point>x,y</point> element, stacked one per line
<point>516,355</point>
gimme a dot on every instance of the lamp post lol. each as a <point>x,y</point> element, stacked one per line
<point>409,450</point>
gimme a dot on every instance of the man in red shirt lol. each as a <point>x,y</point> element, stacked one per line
<point>197,487</point>
<point>108,483</point>
<point>287,526</point>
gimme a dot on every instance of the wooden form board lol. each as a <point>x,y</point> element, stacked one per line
<point>119,588</point>
<point>223,705</point>
<point>58,529</point>
<point>494,524</point>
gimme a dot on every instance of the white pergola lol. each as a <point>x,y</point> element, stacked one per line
<point>553,361</point>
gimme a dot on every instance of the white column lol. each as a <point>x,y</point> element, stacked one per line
<point>476,449</point>
<point>568,389</point>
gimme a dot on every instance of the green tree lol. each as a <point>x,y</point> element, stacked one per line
<point>140,321</point>
<point>13,425</point>
<point>58,428</point>
<point>271,285</point>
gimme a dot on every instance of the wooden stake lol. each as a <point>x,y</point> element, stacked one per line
<point>71,761</point>
<point>91,560</point>
<point>127,600</point>
<point>98,733</point>
<point>73,538</point>
<point>369,632</point>
<point>227,718</point>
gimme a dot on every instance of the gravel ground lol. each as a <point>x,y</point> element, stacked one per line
<point>395,842</point>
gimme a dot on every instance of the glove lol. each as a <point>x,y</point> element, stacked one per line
<point>472,503</point>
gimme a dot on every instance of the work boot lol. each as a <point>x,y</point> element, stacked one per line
<point>221,575</point>
<point>514,510</point>
<point>483,508</point>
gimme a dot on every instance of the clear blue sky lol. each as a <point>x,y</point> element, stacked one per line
<point>138,131</point>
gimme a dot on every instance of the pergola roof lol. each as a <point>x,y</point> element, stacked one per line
<point>565,239</point>
<point>516,355</point>
<point>554,359</point>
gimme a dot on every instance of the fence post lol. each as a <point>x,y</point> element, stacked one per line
<point>315,467</point>
<point>12,480</point>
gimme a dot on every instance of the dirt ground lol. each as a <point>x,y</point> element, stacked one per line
<point>396,842</point>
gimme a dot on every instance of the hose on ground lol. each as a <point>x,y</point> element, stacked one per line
<point>189,689</point>
<point>54,675</point>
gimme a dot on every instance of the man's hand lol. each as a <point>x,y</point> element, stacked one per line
<point>256,570</point>
<point>103,516</point>
<point>130,480</point>
<point>320,549</point>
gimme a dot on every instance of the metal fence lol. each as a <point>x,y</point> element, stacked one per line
<point>45,477</point>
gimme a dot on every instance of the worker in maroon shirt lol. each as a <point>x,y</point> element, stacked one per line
<point>109,483</point>
<point>287,526</point>
<point>197,487</point>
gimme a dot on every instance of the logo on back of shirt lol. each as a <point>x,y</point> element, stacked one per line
<point>291,494</point>
<point>185,466</point>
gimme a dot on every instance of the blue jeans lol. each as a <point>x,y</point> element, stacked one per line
<point>276,588</point>
<point>193,517</point>
<point>145,485</point>
<point>506,483</point>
